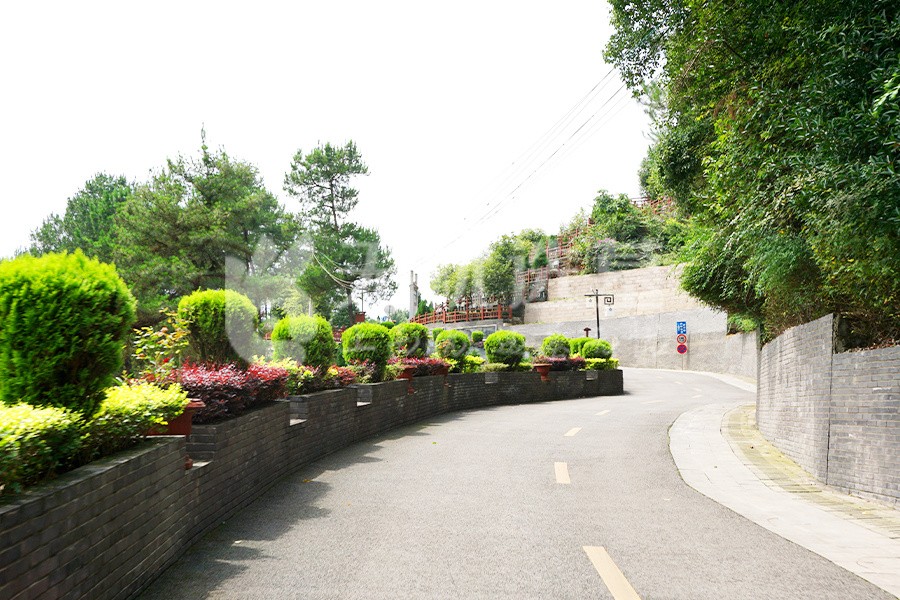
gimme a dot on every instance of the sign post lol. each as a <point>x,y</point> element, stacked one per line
<point>608,300</point>
<point>681,340</point>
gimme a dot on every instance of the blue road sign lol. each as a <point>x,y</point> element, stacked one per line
<point>681,327</point>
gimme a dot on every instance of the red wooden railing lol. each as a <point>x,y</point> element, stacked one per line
<point>461,316</point>
<point>532,275</point>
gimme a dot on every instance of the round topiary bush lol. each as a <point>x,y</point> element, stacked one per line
<point>436,332</point>
<point>596,349</point>
<point>306,339</point>
<point>64,322</point>
<point>367,342</point>
<point>409,340</point>
<point>452,344</point>
<point>575,344</point>
<point>222,325</point>
<point>505,347</point>
<point>555,346</point>
<point>477,336</point>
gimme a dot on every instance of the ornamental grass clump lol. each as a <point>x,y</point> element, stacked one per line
<point>222,325</point>
<point>65,321</point>
<point>596,349</point>
<point>409,340</point>
<point>452,344</point>
<point>306,339</point>
<point>555,346</point>
<point>507,347</point>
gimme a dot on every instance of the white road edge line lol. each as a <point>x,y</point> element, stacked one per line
<point>653,402</point>
<point>562,472</point>
<point>603,412</point>
<point>612,577</point>
<point>572,431</point>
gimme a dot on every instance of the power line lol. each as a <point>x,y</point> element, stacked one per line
<point>565,120</point>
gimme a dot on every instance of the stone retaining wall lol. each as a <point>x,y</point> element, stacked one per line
<point>108,529</point>
<point>836,415</point>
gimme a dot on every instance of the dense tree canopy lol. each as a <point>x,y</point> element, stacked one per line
<point>780,138</point>
<point>87,223</point>
<point>345,258</point>
<point>174,234</point>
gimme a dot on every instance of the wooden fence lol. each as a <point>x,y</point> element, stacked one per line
<point>461,316</point>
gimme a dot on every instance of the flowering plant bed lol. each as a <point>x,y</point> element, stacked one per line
<point>423,367</point>
<point>571,363</point>
<point>228,391</point>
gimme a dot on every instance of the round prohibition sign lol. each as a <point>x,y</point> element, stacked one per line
<point>682,348</point>
<point>681,338</point>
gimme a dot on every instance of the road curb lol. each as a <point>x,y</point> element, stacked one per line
<point>708,463</point>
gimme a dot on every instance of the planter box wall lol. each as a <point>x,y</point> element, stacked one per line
<point>107,529</point>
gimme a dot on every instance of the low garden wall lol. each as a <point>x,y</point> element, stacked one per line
<point>836,414</point>
<point>108,529</point>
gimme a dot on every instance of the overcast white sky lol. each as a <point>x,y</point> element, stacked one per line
<point>441,99</point>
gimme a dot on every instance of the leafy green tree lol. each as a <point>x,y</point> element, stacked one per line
<point>88,222</point>
<point>780,140</point>
<point>346,258</point>
<point>505,257</point>
<point>176,231</point>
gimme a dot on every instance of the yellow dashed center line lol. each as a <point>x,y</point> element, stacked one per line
<point>572,431</point>
<point>653,402</point>
<point>603,412</point>
<point>612,577</point>
<point>562,472</point>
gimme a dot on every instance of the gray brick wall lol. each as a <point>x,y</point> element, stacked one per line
<point>837,415</point>
<point>864,449</point>
<point>793,392</point>
<point>106,530</point>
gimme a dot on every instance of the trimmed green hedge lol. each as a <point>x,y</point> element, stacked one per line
<point>452,344</point>
<point>575,344</point>
<point>222,325</point>
<point>601,364</point>
<point>126,415</point>
<point>35,442</point>
<point>596,349</point>
<point>555,346</point>
<point>308,340</point>
<point>409,340</point>
<point>436,332</point>
<point>367,342</point>
<point>507,347</point>
<point>477,336</point>
<point>64,322</point>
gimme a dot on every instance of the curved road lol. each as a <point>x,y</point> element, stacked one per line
<point>528,501</point>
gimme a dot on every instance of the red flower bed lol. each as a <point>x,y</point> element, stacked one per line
<point>425,366</point>
<point>573,363</point>
<point>227,390</point>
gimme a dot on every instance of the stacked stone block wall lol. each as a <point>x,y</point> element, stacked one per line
<point>106,530</point>
<point>837,415</point>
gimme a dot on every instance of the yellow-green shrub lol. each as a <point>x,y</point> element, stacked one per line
<point>128,413</point>
<point>64,321</point>
<point>35,442</point>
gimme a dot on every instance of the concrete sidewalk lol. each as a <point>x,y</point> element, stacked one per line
<point>721,454</point>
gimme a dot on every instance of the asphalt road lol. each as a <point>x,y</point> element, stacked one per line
<point>475,505</point>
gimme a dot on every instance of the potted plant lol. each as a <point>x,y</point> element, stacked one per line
<point>181,425</point>
<point>542,366</point>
